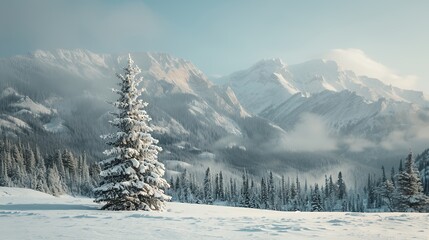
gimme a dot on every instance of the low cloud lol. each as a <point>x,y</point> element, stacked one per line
<point>414,137</point>
<point>356,144</point>
<point>357,61</point>
<point>310,134</point>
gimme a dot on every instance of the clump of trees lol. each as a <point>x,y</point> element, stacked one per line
<point>275,193</point>
<point>64,172</point>
<point>402,191</point>
<point>60,172</point>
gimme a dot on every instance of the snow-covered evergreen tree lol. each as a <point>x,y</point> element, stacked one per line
<point>410,189</point>
<point>54,181</point>
<point>4,178</point>
<point>264,194</point>
<point>253,195</point>
<point>271,191</point>
<point>392,176</point>
<point>316,200</point>
<point>245,192</point>
<point>341,186</point>
<point>132,176</point>
<point>217,188</point>
<point>221,188</point>
<point>208,199</point>
<point>387,194</point>
<point>371,193</point>
<point>185,187</point>
<point>283,191</point>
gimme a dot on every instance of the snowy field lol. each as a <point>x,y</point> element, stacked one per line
<point>27,214</point>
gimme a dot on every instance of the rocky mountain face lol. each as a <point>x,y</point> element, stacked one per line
<point>347,105</point>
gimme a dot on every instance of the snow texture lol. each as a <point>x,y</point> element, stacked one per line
<point>27,214</point>
<point>36,108</point>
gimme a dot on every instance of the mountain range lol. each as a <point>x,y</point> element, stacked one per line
<point>309,117</point>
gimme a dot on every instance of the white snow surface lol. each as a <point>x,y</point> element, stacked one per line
<point>13,123</point>
<point>28,104</point>
<point>27,214</point>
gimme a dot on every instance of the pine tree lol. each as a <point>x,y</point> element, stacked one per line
<point>401,168</point>
<point>245,193</point>
<point>54,181</point>
<point>253,195</point>
<point>68,162</point>
<point>221,188</point>
<point>387,193</point>
<point>264,195</point>
<point>29,160</point>
<point>283,190</point>
<point>271,191</point>
<point>41,175</point>
<point>371,193</point>
<point>185,191</point>
<point>4,178</point>
<point>132,177</point>
<point>208,199</point>
<point>316,200</point>
<point>216,188</point>
<point>341,187</point>
<point>392,176</point>
<point>294,197</point>
<point>410,189</point>
<point>384,178</point>
<point>58,161</point>
<point>177,183</point>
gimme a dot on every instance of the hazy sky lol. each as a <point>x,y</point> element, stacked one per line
<point>227,35</point>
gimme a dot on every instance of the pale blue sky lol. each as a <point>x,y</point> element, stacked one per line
<point>225,35</point>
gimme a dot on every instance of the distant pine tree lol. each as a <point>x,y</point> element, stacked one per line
<point>264,194</point>
<point>221,187</point>
<point>271,191</point>
<point>208,198</point>
<point>245,191</point>
<point>410,189</point>
<point>341,187</point>
<point>316,200</point>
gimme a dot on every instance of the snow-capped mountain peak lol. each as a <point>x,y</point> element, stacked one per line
<point>269,65</point>
<point>269,83</point>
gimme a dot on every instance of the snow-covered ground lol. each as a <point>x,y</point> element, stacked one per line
<point>27,214</point>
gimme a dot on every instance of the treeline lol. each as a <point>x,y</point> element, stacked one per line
<point>57,173</point>
<point>269,192</point>
<point>401,192</point>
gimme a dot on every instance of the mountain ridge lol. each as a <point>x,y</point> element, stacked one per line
<point>278,82</point>
<point>196,118</point>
